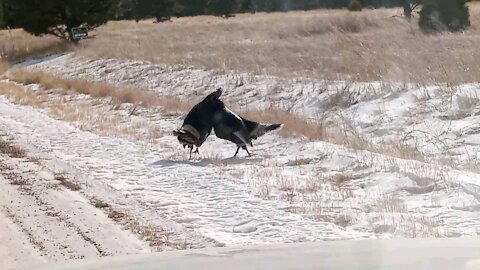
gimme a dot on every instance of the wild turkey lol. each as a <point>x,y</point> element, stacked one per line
<point>198,124</point>
<point>232,127</point>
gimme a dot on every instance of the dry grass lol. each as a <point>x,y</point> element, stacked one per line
<point>16,45</point>
<point>81,113</point>
<point>293,124</point>
<point>214,159</point>
<point>326,213</point>
<point>16,179</point>
<point>301,161</point>
<point>11,150</point>
<point>133,95</point>
<point>410,225</point>
<point>342,179</point>
<point>61,176</point>
<point>4,66</point>
<point>339,132</point>
<point>20,94</point>
<point>326,44</point>
<point>390,204</point>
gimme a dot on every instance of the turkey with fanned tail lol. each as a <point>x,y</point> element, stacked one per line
<point>198,123</point>
<point>234,128</point>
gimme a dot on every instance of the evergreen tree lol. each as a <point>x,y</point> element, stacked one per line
<point>224,8</point>
<point>247,6</point>
<point>3,17</point>
<point>192,7</point>
<point>355,5</point>
<point>163,9</point>
<point>444,15</point>
<point>58,17</point>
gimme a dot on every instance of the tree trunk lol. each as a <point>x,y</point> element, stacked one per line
<point>407,10</point>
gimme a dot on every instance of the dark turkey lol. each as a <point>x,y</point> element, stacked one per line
<point>234,128</point>
<point>198,123</point>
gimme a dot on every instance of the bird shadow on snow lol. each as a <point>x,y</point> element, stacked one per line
<point>165,163</point>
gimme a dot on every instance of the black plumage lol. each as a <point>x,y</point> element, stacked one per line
<point>198,123</point>
<point>234,128</point>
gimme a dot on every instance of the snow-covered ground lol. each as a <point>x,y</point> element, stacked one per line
<point>385,254</point>
<point>41,220</point>
<point>292,189</point>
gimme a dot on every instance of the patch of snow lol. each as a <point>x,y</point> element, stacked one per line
<point>292,189</point>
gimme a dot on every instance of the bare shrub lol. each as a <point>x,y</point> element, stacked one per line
<point>16,179</point>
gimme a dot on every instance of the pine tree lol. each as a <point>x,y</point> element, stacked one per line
<point>444,15</point>
<point>163,9</point>
<point>58,17</point>
<point>3,18</point>
<point>224,8</point>
<point>192,7</point>
<point>355,5</point>
<point>247,6</point>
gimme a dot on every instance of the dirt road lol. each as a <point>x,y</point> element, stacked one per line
<point>42,220</point>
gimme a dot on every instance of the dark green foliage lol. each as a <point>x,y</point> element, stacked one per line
<point>224,8</point>
<point>192,7</point>
<point>355,6</point>
<point>57,17</point>
<point>444,15</point>
<point>247,6</point>
<point>163,9</point>
<point>3,18</point>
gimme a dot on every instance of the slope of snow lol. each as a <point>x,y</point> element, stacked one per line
<point>292,189</point>
<point>193,197</point>
<point>439,121</point>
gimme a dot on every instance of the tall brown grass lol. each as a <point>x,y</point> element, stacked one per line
<point>16,45</point>
<point>20,94</point>
<point>326,44</point>
<point>134,95</point>
<point>83,114</point>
